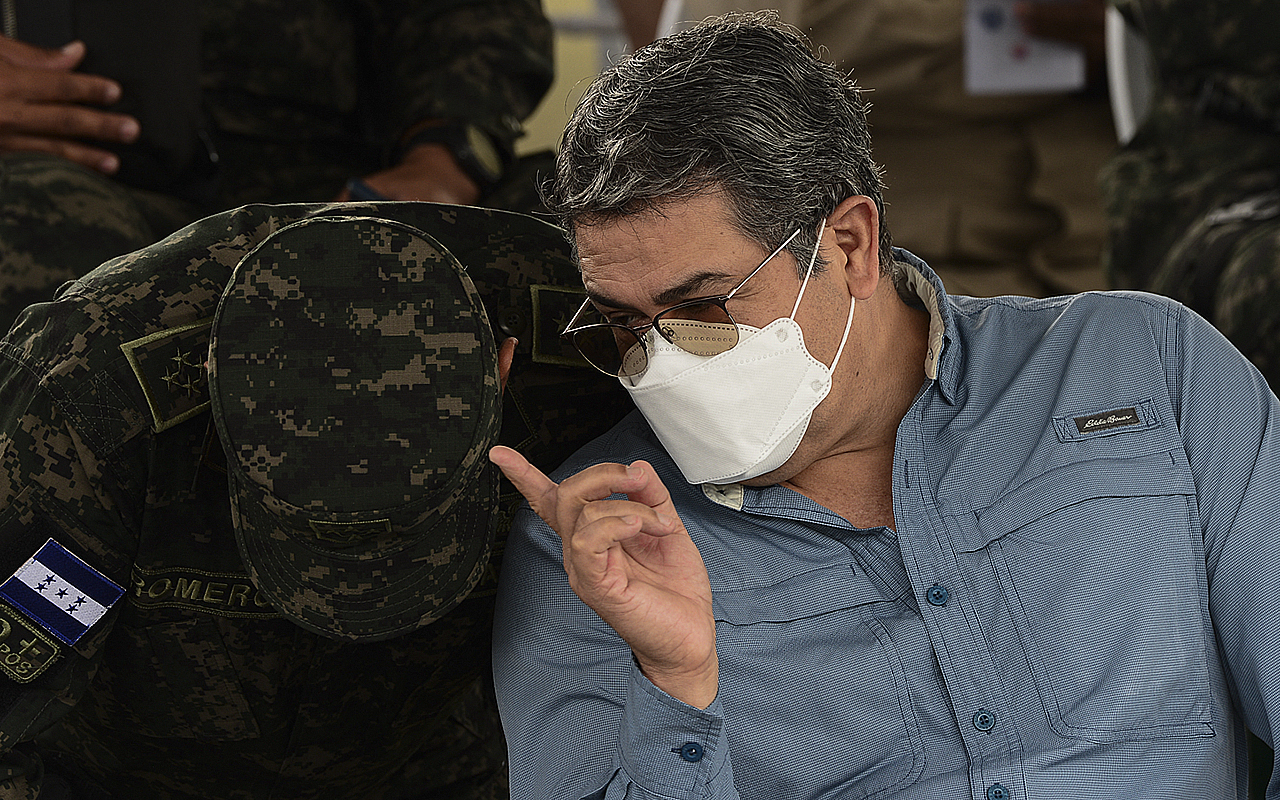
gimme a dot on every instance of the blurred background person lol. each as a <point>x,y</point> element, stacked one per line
<point>998,192</point>
<point>1194,197</point>
<point>122,121</point>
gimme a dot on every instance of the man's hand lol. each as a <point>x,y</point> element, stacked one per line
<point>633,563</point>
<point>427,172</point>
<point>42,105</point>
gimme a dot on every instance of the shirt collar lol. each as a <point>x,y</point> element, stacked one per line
<point>942,357</point>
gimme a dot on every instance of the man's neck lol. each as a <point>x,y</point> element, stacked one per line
<point>856,485</point>
<point>855,479</point>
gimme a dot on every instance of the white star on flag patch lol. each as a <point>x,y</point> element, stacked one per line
<point>60,592</point>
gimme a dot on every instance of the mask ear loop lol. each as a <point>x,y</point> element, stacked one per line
<point>848,323</point>
<point>813,259</point>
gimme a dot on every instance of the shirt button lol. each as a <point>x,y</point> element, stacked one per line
<point>937,595</point>
<point>984,720</point>
<point>512,322</point>
<point>689,751</point>
<point>997,792</point>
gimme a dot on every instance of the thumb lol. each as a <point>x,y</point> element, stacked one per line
<point>649,488</point>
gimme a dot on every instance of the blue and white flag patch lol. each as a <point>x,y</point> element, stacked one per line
<point>60,592</point>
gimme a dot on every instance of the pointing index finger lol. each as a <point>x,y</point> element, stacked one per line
<point>536,487</point>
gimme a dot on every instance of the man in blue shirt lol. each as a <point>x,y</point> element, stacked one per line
<point>865,539</point>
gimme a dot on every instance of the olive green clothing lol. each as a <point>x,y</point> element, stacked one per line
<point>193,685</point>
<point>997,193</point>
<point>58,220</point>
<point>301,96</point>
<point>293,99</point>
<point>1194,197</point>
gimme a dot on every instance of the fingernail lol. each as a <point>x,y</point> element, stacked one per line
<point>634,471</point>
<point>666,521</point>
<point>72,48</point>
<point>111,93</point>
<point>128,130</point>
<point>109,165</point>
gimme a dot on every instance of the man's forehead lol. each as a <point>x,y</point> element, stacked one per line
<point>707,214</point>
<point>689,249</point>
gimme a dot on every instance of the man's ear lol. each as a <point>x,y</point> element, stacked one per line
<point>856,226</point>
<point>506,354</point>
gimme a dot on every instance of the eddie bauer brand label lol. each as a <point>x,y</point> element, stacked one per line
<point>1107,419</point>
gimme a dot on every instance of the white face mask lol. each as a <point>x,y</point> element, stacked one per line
<point>739,414</point>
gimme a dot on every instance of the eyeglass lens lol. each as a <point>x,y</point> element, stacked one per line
<point>704,329</point>
<point>608,347</point>
<point>700,327</point>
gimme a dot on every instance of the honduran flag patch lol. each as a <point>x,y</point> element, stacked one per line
<point>60,592</point>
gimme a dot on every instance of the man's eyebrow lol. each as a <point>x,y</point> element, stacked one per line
<point>690,287</point>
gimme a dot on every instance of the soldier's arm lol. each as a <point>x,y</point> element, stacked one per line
<point>450,70</point>
<point>51,489</point>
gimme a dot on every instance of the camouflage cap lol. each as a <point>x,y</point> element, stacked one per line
<point>354,384</point>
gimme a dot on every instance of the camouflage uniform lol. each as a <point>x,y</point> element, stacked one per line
<point>1194,197</point>
<point>294,99</point>
<point>194,684</point>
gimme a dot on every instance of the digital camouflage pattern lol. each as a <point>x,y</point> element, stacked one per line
<point>357,423</point>
<point>194,685</point>
<point>297,97</point>
<point>1194,197</point>
<point>58,220</point>
<point>302,96</point>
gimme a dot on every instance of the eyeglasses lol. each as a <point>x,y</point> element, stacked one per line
<point>702,326</point>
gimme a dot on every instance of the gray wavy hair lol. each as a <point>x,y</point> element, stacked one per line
<point>738,104</point>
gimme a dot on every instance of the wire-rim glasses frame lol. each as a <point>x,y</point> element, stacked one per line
<point>620,350</point>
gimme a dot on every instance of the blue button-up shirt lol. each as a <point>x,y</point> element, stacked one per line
<point>1081,597</point>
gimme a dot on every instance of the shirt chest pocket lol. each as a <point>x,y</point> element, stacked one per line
<point>816,663</point>
<point>1101,566</point>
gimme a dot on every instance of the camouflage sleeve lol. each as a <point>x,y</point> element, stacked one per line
<point>1246,308</point>
<point>483,61</point>
<point>50,488</point>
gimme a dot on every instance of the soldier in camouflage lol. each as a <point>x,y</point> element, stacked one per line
<point>248,101</point>
<point>269,431</point>
<point>1194,197</point>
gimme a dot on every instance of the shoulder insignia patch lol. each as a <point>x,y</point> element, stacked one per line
<point>25,651</point>
<point>553,307</point>
<point>60,593</point>
<point>169,365</point>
